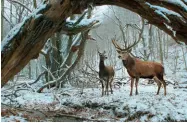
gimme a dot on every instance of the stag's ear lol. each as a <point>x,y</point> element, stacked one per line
<point>104,52</point>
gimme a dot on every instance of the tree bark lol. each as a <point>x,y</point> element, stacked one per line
<point>55,55</point>
<point>30,36</point>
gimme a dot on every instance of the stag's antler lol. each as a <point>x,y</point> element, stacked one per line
<point>115,44</point>
<point>127,48</point>
<point>132,45</point>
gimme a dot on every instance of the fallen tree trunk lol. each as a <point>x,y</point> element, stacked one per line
<point>27,39</point>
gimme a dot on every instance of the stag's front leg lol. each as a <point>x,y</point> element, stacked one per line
<point>132,83</point>
<point>137,79</point>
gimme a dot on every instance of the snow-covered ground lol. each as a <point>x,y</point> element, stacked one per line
<point>119,106</point>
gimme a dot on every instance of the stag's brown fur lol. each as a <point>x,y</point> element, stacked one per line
<point>143,69</point>
<point>106,74</point>
<point>137,68</point>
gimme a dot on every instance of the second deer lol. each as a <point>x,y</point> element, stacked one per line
<point>106,74</point>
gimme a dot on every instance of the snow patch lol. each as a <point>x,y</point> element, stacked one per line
<point>163,11</point>
<point>13,119</point>
<point>178,3</point>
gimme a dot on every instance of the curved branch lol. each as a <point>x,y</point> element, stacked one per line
<point>70,29</point>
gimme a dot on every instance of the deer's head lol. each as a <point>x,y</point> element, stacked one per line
<point>123,53</point>
<point>102,56</point>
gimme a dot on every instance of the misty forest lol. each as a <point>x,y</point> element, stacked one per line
<point>93,60</point>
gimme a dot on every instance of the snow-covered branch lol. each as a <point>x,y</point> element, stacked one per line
<point>72,28</point>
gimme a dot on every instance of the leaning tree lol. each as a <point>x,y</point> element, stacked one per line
<point>25,41</point>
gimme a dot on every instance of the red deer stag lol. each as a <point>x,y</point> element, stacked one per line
<point>137,68</point>
<point>106,74</point>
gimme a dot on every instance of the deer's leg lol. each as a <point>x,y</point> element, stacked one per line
<point>158,83</point>
<point>102,87</point>
<point>137,79</point>
<point>107,83</point>
<point>164,84</point>
<point>132,83</point>
<point>111,85</point>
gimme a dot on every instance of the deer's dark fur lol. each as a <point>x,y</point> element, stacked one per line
<point>106,74</point>
<point>138,68</point>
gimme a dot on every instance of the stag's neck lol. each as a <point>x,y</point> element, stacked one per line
<point>101,65</point>
<point>129,63</point>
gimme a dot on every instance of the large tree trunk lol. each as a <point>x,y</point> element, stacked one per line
<point>26,40</point>
<point>55,55</point>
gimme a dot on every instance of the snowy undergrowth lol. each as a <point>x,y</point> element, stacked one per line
<point>119,106</point>
<point>13,119</point>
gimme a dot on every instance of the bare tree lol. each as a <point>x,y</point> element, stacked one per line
<point>184,52</point>
<point>150,41</point>
<point>160,46</point>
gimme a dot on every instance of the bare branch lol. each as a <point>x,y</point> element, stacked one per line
<point>14,1</point>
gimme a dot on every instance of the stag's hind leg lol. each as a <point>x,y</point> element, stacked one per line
<point>158,83</point>
<point>164,84</point>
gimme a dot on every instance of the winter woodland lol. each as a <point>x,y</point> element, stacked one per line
<point>62,82</point>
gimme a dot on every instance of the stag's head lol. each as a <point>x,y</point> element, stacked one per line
<point>102,56</point>
<point>122,53</point>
